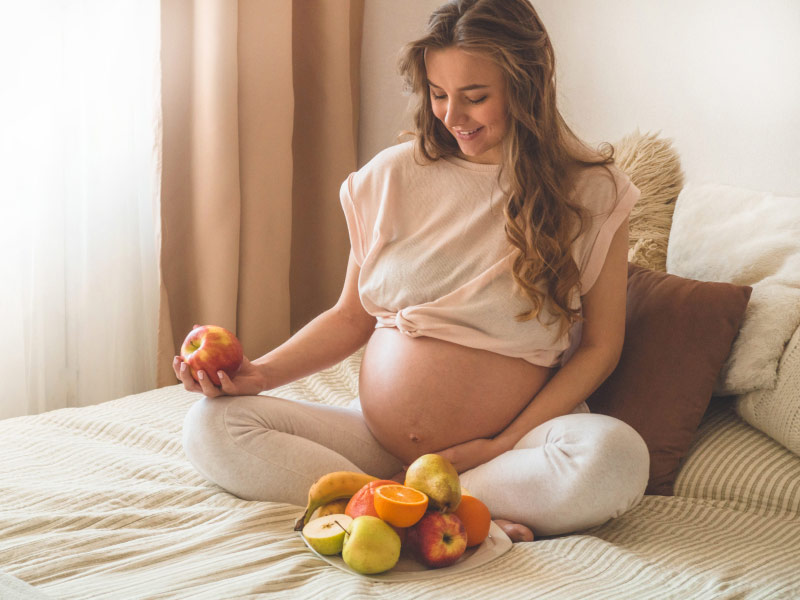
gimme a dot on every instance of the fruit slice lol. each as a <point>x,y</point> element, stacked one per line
<point>326,534</point>
<point>476,518</point>
<point>363,501</point>
<point>400,505</point>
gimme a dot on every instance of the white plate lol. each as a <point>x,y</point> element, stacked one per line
<point>496,544</point>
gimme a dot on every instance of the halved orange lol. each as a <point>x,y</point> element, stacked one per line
<point>476,518</point>
<point>400,505</point>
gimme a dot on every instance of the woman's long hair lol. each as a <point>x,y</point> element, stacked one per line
<point>541,154</point>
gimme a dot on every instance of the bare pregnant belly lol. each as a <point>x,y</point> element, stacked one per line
<point>420,395</point>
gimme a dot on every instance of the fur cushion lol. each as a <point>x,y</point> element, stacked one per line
<point>655,168</point>
<point>727,233</point>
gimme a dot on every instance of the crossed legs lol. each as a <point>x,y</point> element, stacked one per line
<point>264,448</point>
<point>568,474</point>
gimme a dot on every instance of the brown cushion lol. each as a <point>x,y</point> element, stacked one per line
<point>678,334</point>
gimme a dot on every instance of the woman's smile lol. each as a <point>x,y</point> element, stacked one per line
<point>468,95</point>
<point>467,135</point>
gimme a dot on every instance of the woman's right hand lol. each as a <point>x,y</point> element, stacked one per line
<point>248,381</point>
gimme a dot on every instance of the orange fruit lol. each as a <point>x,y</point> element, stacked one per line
<point>363,501</point>
<point>400,505</point>
<point>476,518</point>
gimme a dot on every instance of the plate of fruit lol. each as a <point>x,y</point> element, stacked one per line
<point>426,527</point>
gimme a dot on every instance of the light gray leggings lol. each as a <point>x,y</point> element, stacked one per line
<point>568,474</point>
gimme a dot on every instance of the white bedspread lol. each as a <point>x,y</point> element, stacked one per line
<point>100,502</point>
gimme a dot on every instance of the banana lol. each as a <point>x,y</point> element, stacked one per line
<point>336,507</point>
<point>339,484</point>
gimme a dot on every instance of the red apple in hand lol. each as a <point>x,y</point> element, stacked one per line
<point>211,348</point>
<point>437,539</point>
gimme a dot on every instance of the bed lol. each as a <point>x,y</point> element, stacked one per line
<point>100,502</point>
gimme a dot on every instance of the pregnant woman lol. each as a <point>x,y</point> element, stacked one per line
<point>487,278</point>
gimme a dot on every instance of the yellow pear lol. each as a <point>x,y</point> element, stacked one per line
<point>370,545</point>
<point>437,477</point>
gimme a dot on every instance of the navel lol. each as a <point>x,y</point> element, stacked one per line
<point>414,437</point>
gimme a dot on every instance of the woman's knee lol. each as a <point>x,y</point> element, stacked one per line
<point>205,434</point>
<point>629,450</point>
<point>618,472</point>
<point>607,475</point>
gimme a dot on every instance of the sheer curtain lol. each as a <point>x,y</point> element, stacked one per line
<point>79,164</point>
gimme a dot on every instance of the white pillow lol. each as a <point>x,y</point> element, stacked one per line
<point>776,412</point>
<point>725,233</point>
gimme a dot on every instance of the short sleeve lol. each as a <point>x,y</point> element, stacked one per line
<point>608,206</point>
<point>355,221</point>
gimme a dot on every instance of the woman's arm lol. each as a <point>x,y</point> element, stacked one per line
<point>598,352</point>
<point>328,339</point>
<point>593,361</point>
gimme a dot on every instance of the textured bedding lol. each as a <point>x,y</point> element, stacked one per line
<point>100,502</point>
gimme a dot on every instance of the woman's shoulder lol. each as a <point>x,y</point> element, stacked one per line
<point>398,156</point>
<point>389,168</point>
<point>599,175</point>
<point>600,187</point>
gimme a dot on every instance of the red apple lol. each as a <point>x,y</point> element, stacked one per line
<point>438,539</point>
<point>363,503</point>
<point>211,348</point>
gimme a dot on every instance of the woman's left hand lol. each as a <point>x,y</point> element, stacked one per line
<point>473,453</point>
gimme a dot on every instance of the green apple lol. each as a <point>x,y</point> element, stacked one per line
<point>371,545</point>
<point>326,534</point>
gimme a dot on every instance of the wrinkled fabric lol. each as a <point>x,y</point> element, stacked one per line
<point>435,260</point>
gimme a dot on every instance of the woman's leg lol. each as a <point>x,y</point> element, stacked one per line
<point>264,448</point>
<point>568,474</point>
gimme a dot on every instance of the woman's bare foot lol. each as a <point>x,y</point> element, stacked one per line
<point>517,532</point>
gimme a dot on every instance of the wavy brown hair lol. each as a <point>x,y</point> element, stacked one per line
<point>541,154</point>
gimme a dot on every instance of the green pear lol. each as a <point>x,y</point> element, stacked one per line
<point>437,477</point>
<point>326,534</point>
<point>371,545</point>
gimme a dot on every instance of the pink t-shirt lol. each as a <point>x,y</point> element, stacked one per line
<point>435,260</point>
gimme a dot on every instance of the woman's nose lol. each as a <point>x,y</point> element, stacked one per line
<point>454,115</point>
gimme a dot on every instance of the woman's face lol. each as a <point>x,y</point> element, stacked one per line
<point>468,95</point>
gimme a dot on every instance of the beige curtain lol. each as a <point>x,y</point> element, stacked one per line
<point>260,108</point>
